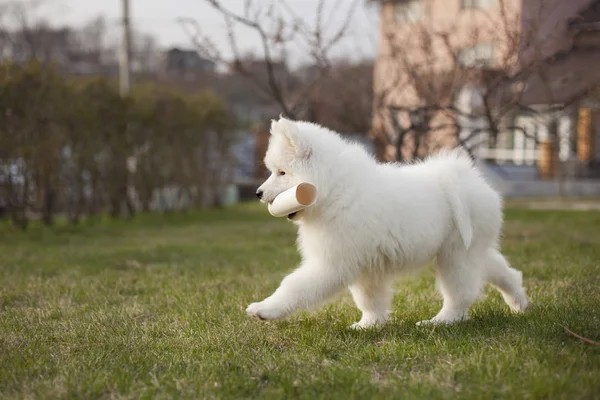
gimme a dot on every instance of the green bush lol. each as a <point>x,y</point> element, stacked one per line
<point>75,146</point>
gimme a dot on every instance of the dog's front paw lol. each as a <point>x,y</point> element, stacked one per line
<point>264,311</point>
<point>371,321</point>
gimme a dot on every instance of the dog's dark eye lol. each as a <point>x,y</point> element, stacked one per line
<point>281,173</point>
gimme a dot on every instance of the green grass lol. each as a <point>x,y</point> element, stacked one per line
<point>154,308</point>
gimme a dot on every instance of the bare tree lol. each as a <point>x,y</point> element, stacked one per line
<point>427,73</point>
<point>92,50</point>
<point>278,28</point>
<point>344,101</point>
<point>29,33</point>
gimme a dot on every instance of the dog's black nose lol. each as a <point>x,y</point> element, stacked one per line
<point>259,194</point>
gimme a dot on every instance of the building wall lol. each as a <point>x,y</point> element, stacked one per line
<point>466,28</point>
<point>521,31</point>
<point>542,24</point>
<point>497,24</point>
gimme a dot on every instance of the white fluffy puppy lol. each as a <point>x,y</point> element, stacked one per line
<point>372,221</point>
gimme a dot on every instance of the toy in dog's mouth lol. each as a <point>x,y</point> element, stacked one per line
<point>292,201</point>
<point>290,216</point>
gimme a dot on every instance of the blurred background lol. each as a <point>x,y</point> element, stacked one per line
<point>132,106</point>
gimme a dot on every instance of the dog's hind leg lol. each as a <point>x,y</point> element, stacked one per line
<point>460,282</point>
<point>507,280</point>
<point>373,296</point>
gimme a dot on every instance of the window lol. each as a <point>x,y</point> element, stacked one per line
<point>408,11</point>
<point>466,4</point>
<point>478,55</point>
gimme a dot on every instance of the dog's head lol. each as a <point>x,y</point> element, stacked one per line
<point>302,151</point>
<point>288,158</point>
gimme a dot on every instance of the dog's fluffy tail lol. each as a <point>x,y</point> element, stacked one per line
<point>451,186</point>
<point>462,219</point>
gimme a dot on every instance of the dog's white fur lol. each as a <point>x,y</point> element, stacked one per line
<point>372,221</point>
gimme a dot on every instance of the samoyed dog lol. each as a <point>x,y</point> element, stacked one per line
<point>373,221</point>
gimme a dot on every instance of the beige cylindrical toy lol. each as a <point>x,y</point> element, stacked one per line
<point>293,200</point>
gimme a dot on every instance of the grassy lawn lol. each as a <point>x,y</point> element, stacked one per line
<point>154,308</point>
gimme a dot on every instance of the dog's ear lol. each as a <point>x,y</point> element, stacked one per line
<point>289,131</point>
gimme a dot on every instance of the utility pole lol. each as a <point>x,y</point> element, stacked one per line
<point>124,61</point>
<point>124,85</point>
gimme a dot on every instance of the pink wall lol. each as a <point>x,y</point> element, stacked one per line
<point>521,31</point>
<point>465,28</point>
